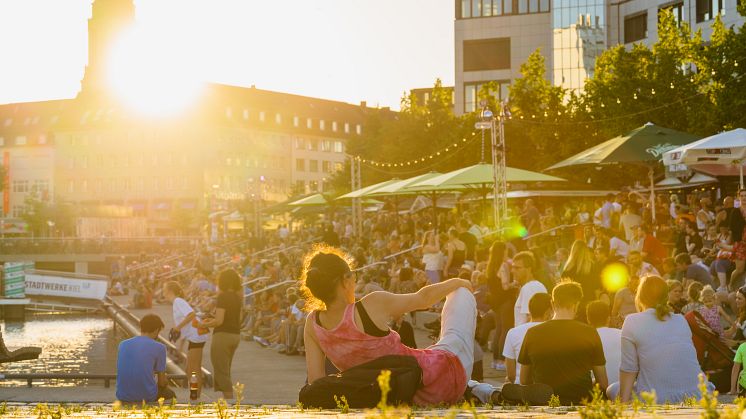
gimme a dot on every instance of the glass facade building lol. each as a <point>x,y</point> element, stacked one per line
<point>579,30</point>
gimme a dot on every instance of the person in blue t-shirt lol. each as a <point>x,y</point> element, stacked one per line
<point>139,360</point>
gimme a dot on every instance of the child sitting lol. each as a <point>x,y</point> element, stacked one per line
<point>712,312</point>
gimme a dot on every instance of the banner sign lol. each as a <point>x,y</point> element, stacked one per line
<point>13,279</point>
<point>59,286</point>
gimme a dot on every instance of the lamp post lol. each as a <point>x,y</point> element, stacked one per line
<point>499,182</point>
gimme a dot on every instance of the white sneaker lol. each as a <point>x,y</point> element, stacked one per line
<point>498,366</point>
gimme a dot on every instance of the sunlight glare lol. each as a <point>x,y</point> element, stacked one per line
<point>152,73</point>
<point>614,277</point>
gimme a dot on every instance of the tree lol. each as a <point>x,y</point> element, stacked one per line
<point>419,130</point>
<point>43,216</point>
<point>537,132</point>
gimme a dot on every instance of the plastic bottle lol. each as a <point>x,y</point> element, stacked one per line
<point>193,386</point>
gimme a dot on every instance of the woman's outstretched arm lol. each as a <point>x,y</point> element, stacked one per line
<point>394,305</point>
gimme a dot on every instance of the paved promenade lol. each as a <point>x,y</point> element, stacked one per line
<point>269,377</point>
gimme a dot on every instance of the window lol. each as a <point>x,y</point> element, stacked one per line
<point>8,122</point>
<point>296,121</point>
<point>313,166</point>
<point>471,93</point>
<point>2,141</point>
<point>334,126</point>
<point>322,125</point>
<point>326,166</point>
<point>300,185</point>
<point>40,186</point>
<point>20,186</point>
<point>84,162</point>
<point>42,139</point>
<point>245,114</point>
<point>228,112</point>
<point>126,184</point>
<point>70,186</point>
<point>347,128</point>
<point>84,186</point>
<point>339,147</point>
<point>155,183</point>
<point>708,9</point>
<point>261,116</point>
<point>326,145</point>
<point>635,28</point>
<point>487,54</point>
<point>300,165</point>
<point>18,211</point>
<point>21,140</point>
<point>278,118</point>
<point>359,129</point>
<point>466,9</point>
<point>309,123</point>
<point>313,185</point>
<point>300,143</point>
<point>311,144</point>
<point>338,166</point>
<point>676,9</point>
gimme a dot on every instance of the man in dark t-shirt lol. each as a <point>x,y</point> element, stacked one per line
<point>562,352</point>
<point>470,241</point>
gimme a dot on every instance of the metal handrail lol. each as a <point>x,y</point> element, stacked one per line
<point>167,275</point>
<point>257,279</point>
<point>368,266</point>
<point>154,262</point>
<point>411,249</point>
<point>541,233</point>
<point>279,284</point>
<point>30,377</point>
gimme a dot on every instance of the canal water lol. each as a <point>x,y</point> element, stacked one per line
<point>70,344</point>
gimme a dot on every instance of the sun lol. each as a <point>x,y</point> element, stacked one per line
<point>152,72</point>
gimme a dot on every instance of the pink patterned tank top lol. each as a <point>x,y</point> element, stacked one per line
<point>443,376</point>
<point>712,317</point>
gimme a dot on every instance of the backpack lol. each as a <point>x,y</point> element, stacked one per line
<point>359,384</point>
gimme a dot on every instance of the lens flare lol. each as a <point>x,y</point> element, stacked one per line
<point>515,230</point>
<point>614,277</point>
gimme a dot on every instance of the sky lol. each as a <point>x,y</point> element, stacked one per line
<point>347,50</point>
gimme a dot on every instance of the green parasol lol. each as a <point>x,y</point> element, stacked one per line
<point>478,176</point>
<point>366,190</point>
<point>644,145</point>
<point>310,201</point>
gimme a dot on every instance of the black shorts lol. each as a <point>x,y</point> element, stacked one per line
<point>196,345</point>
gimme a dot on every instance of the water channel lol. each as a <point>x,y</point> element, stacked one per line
<point>70,344</point>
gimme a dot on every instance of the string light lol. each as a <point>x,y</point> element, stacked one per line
<point>417,160</point>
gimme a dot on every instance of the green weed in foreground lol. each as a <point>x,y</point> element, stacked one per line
<point>601,408</point>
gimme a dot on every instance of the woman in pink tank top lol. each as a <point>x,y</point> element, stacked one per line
<point>337,326</point>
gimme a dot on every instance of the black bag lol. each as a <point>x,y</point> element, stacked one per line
<point>359,385</point>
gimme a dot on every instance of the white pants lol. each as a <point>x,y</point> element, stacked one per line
<point>458,323</point>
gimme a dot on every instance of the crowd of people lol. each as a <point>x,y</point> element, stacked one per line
<point>631,281</point>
